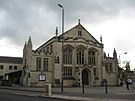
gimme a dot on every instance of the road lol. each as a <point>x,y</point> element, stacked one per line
<point>98,93</point>
<point>12,95</point>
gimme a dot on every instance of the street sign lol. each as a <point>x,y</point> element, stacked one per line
<point>42,77</point>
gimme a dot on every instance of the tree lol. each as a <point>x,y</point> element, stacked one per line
<point>127,71</point>
<point>127,66</point>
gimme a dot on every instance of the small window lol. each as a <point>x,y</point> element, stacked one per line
<point>67,72</point>
<point>45,64</point>
<point>79,33</point>
<point>10,67</point>
<point>51,50</point>
<point>38,64</point>
<point>1,67</point>
<point>15,67</point>
<point>47,49</point>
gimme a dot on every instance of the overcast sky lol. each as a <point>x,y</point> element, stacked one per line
<point>113,19</point>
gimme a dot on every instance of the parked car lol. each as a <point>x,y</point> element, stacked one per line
<point>129,81</point>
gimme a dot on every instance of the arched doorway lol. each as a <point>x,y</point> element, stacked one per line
<point>85,77</point>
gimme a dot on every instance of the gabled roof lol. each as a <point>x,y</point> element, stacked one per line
<point>79,26</point>
<point>14,60</point>
<point>45,43</point>
<point>60,36</point>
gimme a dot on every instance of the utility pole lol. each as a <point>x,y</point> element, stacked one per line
<point>62,46</point>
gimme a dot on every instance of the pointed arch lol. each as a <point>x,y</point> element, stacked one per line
<point>93,49</point>
<point>81,46</point>
<point>67,54</point>
<point>86,76</point>
<point>80,54</point>
<point>68,46</point>
<point>92,56</point>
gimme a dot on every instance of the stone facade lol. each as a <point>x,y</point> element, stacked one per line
<point>10,68</point>
<point>37,67</point>
<point>75,55</point>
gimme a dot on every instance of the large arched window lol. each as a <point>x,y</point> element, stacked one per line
<point>80,56</point>
<point>67,56</point>
<point>91,57</point>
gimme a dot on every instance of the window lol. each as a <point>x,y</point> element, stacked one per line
<point>1,67</point>
<point>51,49</point>
<point>1,78</point>
<point>94,71</point>
<point>47,50</point>
<point>67,56</point>
<point>79,33</point>
<point>25,63</point>
<point>45,64</point>
<point>80,56</point>
<point>67,72</point>
<point>56,59</point>
<point>29,75</point>
<point>10,67</point>
<point>15,67</point>
<point>91,58</point>
<point>38,64</point>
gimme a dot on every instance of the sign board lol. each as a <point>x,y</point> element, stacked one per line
<point>42,77</point>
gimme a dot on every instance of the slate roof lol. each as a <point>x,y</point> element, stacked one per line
<point>14,60</point>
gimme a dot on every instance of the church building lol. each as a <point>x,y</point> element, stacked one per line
<point>74,56</point>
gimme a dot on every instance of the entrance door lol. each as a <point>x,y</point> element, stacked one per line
<point>85,77</point>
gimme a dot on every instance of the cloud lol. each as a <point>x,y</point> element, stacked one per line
<point>38,18</point>
<point>113,19</point>
<point>22,18</point>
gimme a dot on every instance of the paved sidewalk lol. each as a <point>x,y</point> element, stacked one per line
<point>91,93</point>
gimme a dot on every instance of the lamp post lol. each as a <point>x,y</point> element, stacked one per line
<point>62,46</point>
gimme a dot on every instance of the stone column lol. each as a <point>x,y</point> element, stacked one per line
<point>74,60</point>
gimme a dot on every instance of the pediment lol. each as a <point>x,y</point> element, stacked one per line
<point>79,33</point>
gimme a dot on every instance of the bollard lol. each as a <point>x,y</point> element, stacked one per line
<point>106,86</point>
<point>48,91</point>
<point>82,87</point>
